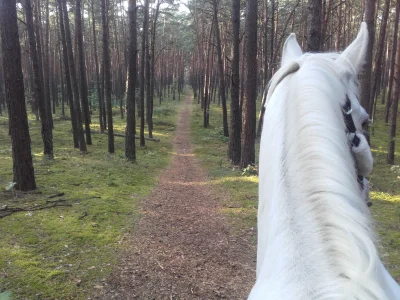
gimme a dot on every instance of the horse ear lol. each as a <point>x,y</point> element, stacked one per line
<point>356,51</point>
<point>291,50</point>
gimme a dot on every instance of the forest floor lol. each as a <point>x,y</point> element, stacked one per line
<point>183,246</point>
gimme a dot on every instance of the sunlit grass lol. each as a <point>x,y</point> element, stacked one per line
<point>62,252</point>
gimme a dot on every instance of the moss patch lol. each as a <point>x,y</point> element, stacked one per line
<point>64,252</point>
<point>211,149</point>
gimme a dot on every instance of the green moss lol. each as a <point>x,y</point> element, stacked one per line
<point>211,149</point>
<point>63,252</point>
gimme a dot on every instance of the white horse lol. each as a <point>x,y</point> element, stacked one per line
<point>315,233</point>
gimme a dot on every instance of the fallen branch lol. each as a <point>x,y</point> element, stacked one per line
<point>8,211</point>
<point>123,135</point>
<point>56,195</point>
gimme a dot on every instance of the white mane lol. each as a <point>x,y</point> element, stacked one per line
<point>315,235</point>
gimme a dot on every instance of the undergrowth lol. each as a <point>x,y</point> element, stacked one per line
<point>241,185</point>
<point>65,252</point>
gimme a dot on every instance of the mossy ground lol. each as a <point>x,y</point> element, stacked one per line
<point>65,252</point>
<point>211,149</point>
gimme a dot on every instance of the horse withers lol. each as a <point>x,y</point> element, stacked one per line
<point>315,233</point>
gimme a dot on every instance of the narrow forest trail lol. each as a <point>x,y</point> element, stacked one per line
<point>182,247</point>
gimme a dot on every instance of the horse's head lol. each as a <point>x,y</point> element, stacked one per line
<point>346,67</point>
<point>348,64</point>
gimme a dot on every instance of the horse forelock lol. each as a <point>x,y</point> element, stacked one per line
<point>318,175</point>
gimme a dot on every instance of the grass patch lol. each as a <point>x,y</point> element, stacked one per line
<point>63,252</point>
<point>241,186</point>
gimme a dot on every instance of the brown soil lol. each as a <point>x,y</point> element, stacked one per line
<point>183,247</point>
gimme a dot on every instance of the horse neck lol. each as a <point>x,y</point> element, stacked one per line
<point>313,221</point>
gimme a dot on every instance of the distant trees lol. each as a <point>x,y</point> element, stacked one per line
<point>24,175</point>
<point>217,47</point>
<point>319,26</point>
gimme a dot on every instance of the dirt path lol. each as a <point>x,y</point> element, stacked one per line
<point>183,247</point>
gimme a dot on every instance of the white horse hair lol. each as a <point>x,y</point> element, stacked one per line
<point>315,233</point>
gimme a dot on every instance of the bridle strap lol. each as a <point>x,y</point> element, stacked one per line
<point>351,128</point>
<point>348,119</point>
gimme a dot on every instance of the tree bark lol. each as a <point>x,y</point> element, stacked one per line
<point>47,133</point>
<point>379,58</point>
<point>369,18</point>
<point>74,82</point>
<point>100,92</point>
<point>24,175</point>
<point>221,71</point>
<point>249,105</point>
<point>236,118</point>
<point>394,108</point>
<point>142,69</point>
<point>68,78</point>
<point>82,71</point>
<point>107,74</point>
<point>315,25</point>
<point>130,147</point>
<point>392,61</point>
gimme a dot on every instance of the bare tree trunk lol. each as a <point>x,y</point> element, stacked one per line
<point>68,77</point>
<point>130,147</point>
<point>394,108</point>
<point>379,59</point>
<point>315,25</point>
<point>249,105</point>
<point>369,18</point>
<point>142,69</point>
<point>47,133</point>
<point>74,82</point>
<point>100,92</point>
<point>153,61</point>
<point>392,60</point>
<point>107,74</point>
<point>82,71</point>
<point>221,71</point>
<point>236,117</point>
<point>24,174</point>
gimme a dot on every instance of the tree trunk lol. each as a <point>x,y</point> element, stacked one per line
<point>221,71</point>
<point>68,78</point>
<point>142,69</point>
<point>82,71</point>
<point>153,60</point>
<point>236,118</point>
<point>149,116</point>
<point>2,95</point>
<point>379,59</point>
<point>100,92</point>
<point>392,60</point>
<point>46,66</point>
<point>393,110</point>
<point>249,104</point>
<point>130,148</point>
<point>315,23</point>
<point>47,133</point>
<point>74,82</point>
<point>369,18</point>
<point>107,74</point>
<point>24,175</point>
